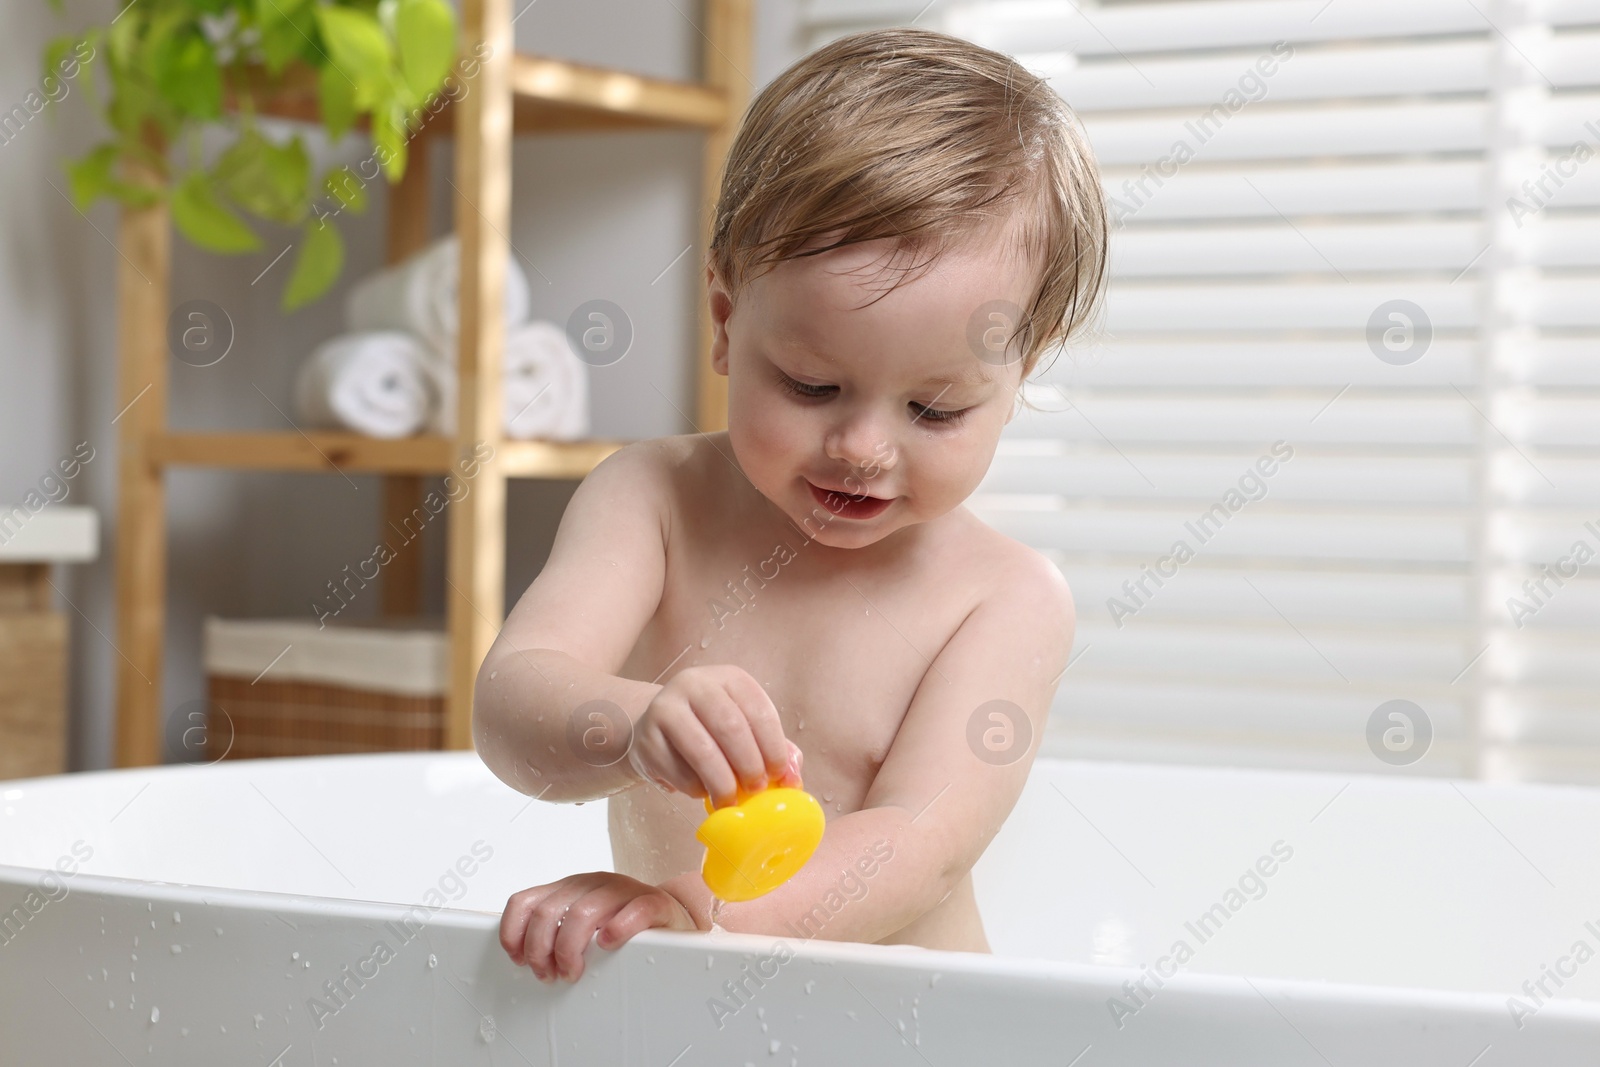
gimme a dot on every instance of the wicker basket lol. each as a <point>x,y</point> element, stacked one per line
<point>290,688</point>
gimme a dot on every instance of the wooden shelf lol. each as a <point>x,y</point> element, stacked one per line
<point>333,452</point>
<point>548,96</point>
<point>503,94</point>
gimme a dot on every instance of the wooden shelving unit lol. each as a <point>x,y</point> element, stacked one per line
<point>509,94</point>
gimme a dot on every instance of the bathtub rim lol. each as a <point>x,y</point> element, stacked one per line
<point>1090,976</point>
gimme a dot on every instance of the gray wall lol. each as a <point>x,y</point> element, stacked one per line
<point>594,216</point>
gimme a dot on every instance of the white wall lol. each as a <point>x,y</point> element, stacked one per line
<point>595,215</point>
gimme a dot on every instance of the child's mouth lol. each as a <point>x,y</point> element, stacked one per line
<point>849,507</point>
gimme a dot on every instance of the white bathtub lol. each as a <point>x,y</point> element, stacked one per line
<point>209,905</point>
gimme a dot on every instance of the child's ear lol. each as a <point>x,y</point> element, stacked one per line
<point>721,306</point>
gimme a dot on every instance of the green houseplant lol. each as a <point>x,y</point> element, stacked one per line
<point>175,68</point>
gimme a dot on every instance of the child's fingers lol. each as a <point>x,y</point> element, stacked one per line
<point>765,726</point>
<point>695,744</point>
<point>514,920</point>
<point>724,716</point>
<point>641,913</point>
<point>792,770</point>
<point>586,915</point>
<point>540,918</point>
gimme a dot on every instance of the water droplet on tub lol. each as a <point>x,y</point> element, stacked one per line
<point>111,1005</point>
<point>306,964</point>
<point>810,985</point>
<point>259,1020</point>
<point>433,961</point>
<point>294,955</point>
<point>177,950</point>
<point>177,918</point>
<point>219,931</point>
<point>486,1029</point>
<point>155,1015</point>
<point>934,980</point>
<point>708,961</point>
<point>773,1046</point>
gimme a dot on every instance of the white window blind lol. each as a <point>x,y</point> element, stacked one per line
<point>1369,231</point>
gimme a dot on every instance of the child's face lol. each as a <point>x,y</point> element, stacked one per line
<point>876,423</point>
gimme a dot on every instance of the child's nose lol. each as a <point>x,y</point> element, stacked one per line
<point>862,443</point>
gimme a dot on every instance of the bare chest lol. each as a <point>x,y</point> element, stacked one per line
<point>839,651</point>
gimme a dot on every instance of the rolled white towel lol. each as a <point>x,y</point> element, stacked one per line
<point>422,295</point>
<point>546,385</point>
<point>544,391</point>
<point>376,383</point>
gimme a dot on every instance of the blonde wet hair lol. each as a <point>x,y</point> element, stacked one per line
<point>927,139</point>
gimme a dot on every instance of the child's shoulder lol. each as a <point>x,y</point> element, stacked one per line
<point>1007,562</point>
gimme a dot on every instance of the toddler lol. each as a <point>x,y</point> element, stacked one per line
<point>805,591</point>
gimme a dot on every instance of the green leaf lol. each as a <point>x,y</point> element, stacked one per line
<point>90,177</point>
<point>426,33</point>
<point>338,99</point>
<point>344,186</point>
<point>265,178</point>
<point>358,47</point>
<point>203,219</point>
<point>317,265</point>
<point>389,136</point>
<point>187,74</point>
<point>286,28</point>
<point>122,39</point>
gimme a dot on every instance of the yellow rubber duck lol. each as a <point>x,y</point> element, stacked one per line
<point>756,844</point>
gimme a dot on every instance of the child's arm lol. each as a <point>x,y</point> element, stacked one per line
<point>934,804</point>
<point>572,630</point>
<point>550,716</point>
<point>931,810</point>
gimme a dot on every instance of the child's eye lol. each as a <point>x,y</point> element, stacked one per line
<point>935,415</point>
<point>802,388</point>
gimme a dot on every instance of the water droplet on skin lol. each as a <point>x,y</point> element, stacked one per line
<point>492,675</point>
<point>827,798</point>
<point>705,642</point>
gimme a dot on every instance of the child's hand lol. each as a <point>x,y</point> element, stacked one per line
<point>548,927</point>
<point>710,730</point>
